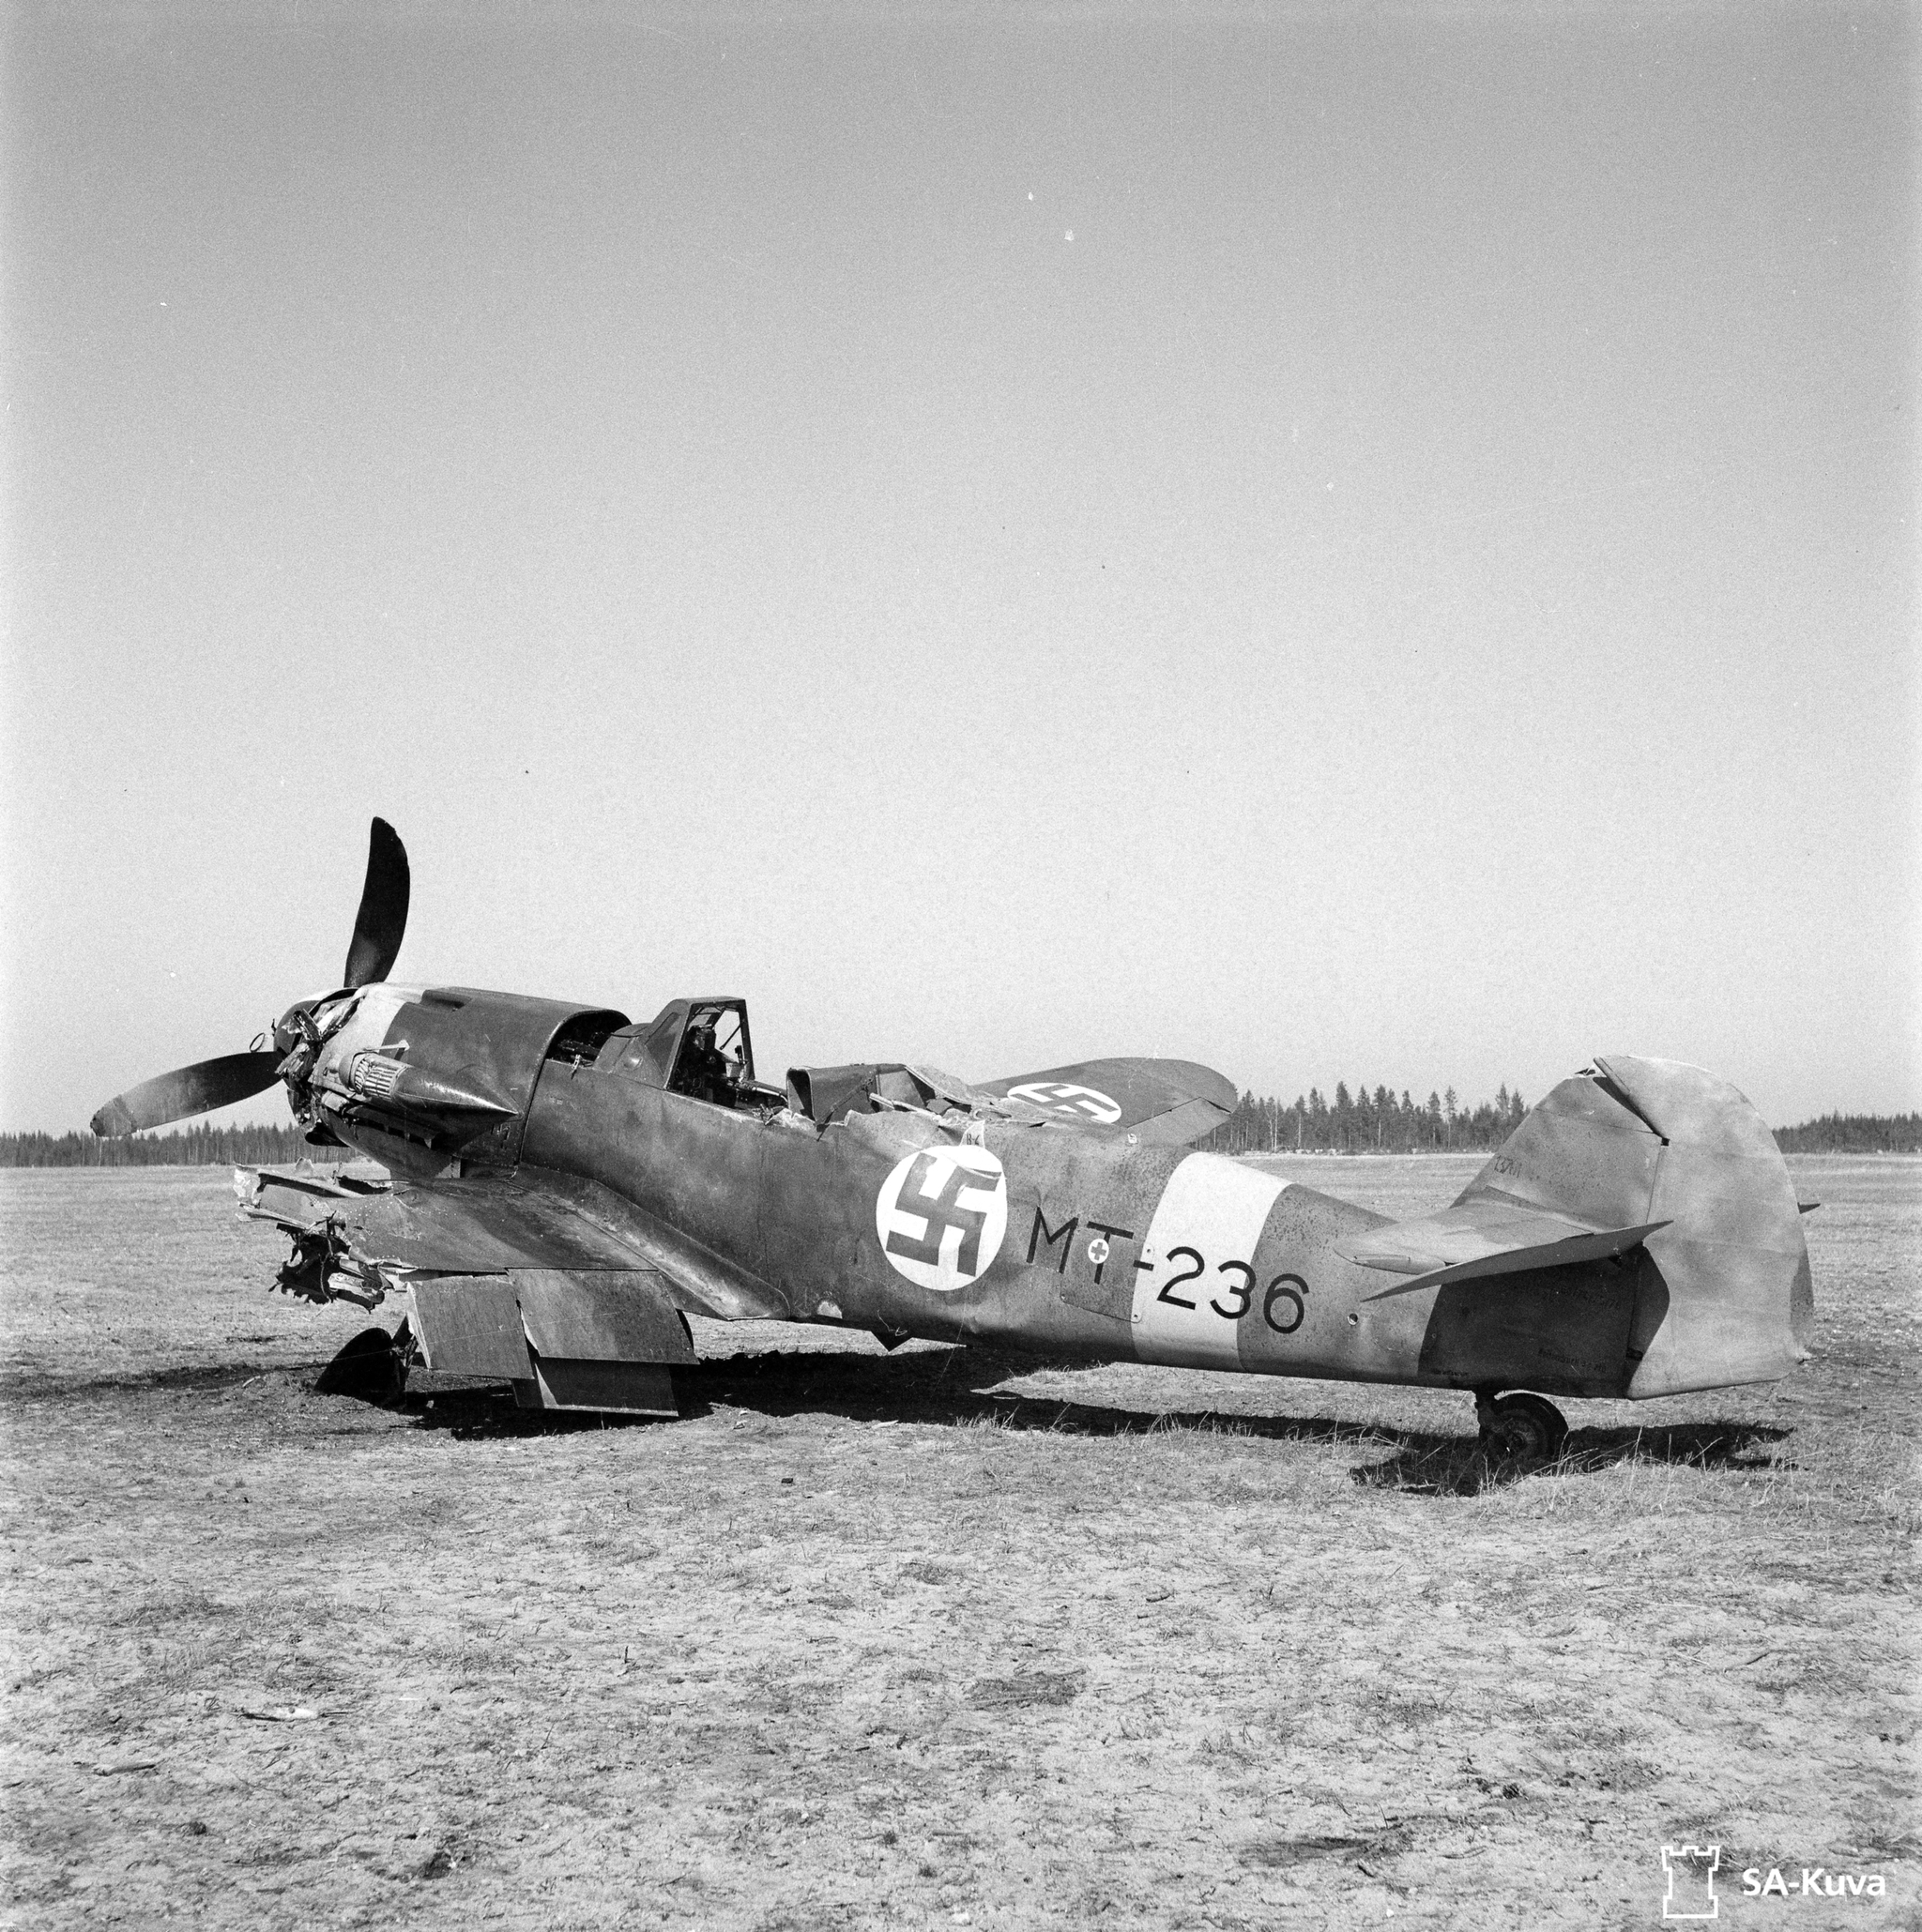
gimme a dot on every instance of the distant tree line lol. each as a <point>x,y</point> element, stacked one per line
<point>1367,1124</point>
<point>194,1146</point>
<point>1379,1122</point>
<point>1382,1124</point>
<point>1853,1134</point>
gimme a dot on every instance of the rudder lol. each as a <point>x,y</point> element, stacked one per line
<point>1723,1295</point>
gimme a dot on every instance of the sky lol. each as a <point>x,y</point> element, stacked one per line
<point>1368,544</point>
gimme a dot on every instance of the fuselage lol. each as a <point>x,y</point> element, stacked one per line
<point>1058,1242</point>
<point>1079,1239</point>
<point>566,1187</point>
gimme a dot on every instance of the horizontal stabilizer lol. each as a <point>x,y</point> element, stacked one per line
<point>1165,1102</point>
<point>1487,1236</point>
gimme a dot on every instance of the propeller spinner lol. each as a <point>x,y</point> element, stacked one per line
<point>378,928</point>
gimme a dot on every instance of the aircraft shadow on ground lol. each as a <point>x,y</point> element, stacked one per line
<point>1425,1465</point>
<point>960,1387</point>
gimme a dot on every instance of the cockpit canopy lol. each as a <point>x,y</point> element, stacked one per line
<point>699,1047</point>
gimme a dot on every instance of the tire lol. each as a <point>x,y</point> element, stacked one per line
<point>373,1367</point>
<point>1525,1428</point>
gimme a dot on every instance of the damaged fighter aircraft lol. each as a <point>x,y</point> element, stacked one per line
<point>560,1186</point>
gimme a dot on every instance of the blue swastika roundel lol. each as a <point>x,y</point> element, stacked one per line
<point>942,1215</point>
<point>1073,1102</point>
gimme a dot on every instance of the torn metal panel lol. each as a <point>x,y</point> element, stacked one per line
<point>460,1226</point>
<point>601,1315</point>
<point>826,1093</point>
<point>323,1267</point>
<point>295,1189</point>
<point>304,1272</point>
<point>470,1325</point>
<point>945,1090</point>
<point>896,1084</point>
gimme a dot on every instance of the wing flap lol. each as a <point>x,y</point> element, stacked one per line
<point>599,1338</point>
<point>610,1314</point>
<point>470,1325</point>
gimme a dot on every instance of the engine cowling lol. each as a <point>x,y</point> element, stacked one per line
<point>437,1071</point>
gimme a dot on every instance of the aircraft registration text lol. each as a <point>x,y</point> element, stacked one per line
<point>1187,1310</point>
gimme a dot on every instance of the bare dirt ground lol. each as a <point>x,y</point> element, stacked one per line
<point>930,1638</point>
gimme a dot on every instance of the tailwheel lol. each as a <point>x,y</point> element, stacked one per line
<point>373,1367</point>
<point>1520,1427</point>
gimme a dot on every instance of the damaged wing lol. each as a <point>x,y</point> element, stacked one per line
<point>1482,1236</point>
<point>550,1281</point>
<point>471,1226</point>
<point>1166,1101</point>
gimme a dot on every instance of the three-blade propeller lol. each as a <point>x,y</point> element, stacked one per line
<point>378,929</point>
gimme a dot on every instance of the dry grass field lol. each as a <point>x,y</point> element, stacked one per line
<point>927,1639</point>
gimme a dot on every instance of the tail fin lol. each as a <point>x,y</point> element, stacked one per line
<point>1723,1295</point>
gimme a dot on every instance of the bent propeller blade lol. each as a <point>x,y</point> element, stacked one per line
<point>188,1090</point>
<point>382,921</point>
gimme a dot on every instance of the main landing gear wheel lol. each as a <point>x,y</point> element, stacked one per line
<point>373,1367</point>
<point>1520,1427</point>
